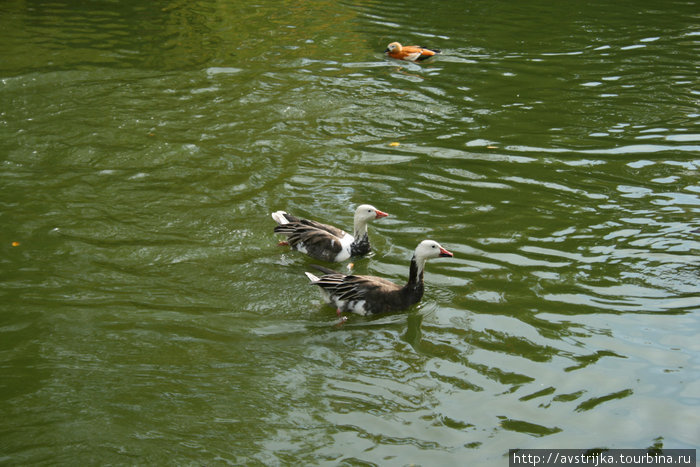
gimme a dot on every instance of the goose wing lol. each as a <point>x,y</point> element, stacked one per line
<point>353,287</point>
<point>304,227</point>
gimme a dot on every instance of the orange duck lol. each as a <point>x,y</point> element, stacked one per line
<point>412,53</point>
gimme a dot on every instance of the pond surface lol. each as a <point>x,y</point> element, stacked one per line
<point>148,315</point>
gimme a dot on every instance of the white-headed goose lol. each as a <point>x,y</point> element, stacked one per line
<point>326,242</point>
<point>368,295</point>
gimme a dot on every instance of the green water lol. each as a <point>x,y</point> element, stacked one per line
<point>148,316</point>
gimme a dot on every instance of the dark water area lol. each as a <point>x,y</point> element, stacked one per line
<point>148,316</point>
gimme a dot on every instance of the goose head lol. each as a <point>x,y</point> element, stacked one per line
<point>428,249</point>
<point>364,214</point>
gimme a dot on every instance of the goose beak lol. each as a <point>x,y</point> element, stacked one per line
<point>381,214</point>
<point>445,253</point>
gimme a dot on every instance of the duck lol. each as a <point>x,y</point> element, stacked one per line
<point>326,242</point>
<point>411,53</point>
<point>371,295</point>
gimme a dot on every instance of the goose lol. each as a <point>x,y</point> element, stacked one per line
<point>325,242</point>
<point>369,295</point>
<point>412,53</point>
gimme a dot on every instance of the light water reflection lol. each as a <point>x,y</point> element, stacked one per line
<point>150,317</point>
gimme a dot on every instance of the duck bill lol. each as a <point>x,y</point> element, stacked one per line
<point>380,214</point>
<point>445,253</point>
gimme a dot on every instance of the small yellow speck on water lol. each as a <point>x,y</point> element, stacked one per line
<point>15,243</point>
<point>151,134</point>
<point>394,144</point>
<point>491,146</point>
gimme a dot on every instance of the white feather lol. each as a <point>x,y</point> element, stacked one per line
<point>324,294</point>
<point>279,217</point>
<point>412,56</point>
<point>354,306</point>
<point>346,244</point>
<point>311,277</point>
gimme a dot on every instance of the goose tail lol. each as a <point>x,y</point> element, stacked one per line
<point>312,277</point>
<point>280,217</point>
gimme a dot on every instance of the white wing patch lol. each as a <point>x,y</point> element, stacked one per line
<point>354,306</point>
<point>413,56</point>
<point>345,243</point>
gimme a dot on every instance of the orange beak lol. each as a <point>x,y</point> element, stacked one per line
<point>381,214</point>
<point>445,253</point>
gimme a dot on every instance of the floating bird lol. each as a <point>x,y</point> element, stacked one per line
<point>412,53</point>
<point>369,295</point>
<point>326,242</point>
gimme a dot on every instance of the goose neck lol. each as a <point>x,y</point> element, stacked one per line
<point>415,275</point>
